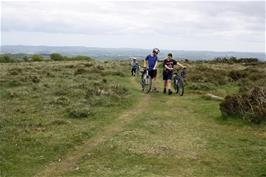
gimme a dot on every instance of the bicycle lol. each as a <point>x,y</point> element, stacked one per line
<point>145,81</point>
<point>178,80</point>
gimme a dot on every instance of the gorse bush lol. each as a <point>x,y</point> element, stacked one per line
<point>249,106</point>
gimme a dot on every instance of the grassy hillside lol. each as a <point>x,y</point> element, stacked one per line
<point>89,118</point>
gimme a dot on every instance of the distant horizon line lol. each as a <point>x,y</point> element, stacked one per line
<point>193,50</point>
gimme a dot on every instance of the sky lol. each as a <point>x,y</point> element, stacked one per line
<point>215,26</point>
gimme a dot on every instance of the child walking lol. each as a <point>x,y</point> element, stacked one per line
<point>168,66</point>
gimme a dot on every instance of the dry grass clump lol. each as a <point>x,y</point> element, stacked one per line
<point>80,71</point>
<point>101,89</point>
<point>103,94</point>
<point>15,71</point>
<point>62,100</point>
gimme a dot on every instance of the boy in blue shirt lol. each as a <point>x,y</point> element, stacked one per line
<point>150,63</point>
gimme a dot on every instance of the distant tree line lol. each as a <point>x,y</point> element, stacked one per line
<point>11,58</point>
<point>235,60</point>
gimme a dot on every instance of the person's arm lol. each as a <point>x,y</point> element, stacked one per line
<point>145,62</point>
<point>155,64</point>
<point>168,67</point>
<point>179,64</point>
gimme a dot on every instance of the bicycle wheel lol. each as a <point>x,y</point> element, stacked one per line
<point>180,87</point>
<point>146,83</point>
<point>175,84</point>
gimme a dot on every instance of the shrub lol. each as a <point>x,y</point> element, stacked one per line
<point>119,90</point>
<point>96,69</point>
<point>89,64</point>
<point>100,67</point>
<point>101,89</point>
<point>202,74</point>
<point>236,75</point>
<point>80,71</point>
<point>235,60</point>
<point>250,106</point>
<point>13,83</point>
<point>114,73</point>
<point>56,57</point>
<point>15,71</point>
<point>25,58</point>
<point>79,112</point>
<point>81,57</point>
<point>36,57</point>
<point>6,59</point>
<point>200,86</point>
<point>35,79</point>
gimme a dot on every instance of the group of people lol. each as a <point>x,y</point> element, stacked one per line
<point>151,63</point>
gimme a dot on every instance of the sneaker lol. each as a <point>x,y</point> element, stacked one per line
<point>170,92</point>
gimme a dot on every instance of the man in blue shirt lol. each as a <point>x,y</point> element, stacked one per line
<point>152,61</point>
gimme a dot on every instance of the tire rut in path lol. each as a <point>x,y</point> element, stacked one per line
<point>70,160</point>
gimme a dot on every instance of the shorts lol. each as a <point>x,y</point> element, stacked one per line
<point>167,75</point>
<point>153,73</point>
<point>133,70</point>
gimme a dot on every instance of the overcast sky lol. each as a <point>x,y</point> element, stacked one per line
<point>218,26</point>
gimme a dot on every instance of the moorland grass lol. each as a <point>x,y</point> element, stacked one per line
<point>49,108</point>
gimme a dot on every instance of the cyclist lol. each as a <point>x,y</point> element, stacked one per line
<point>150,63</point>
<point>134,66</point>
<point>168,65</point>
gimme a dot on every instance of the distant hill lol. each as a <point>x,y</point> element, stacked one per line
<point>123,53</point>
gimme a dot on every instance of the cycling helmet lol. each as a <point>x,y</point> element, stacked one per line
<point>156,50</point>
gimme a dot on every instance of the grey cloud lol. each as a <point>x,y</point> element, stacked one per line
<point>202,21</point>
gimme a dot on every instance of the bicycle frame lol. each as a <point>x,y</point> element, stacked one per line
<point>146,81</point>
<point>178,81</point>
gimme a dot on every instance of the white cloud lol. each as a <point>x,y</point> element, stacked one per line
<point>208,25</point>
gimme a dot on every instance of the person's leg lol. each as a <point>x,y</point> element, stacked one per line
<point>134,71</point>
<point>154,75</point>
<point>164,82</point>
<point>164,85</point>
<point>169,87</point>
<point>169,82</point>
<point>131,71</point>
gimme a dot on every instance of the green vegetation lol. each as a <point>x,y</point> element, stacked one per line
<point>88,118</point>
<point>56,57</point>
<point>11,58</point>
<point>250,106</point>
<point>36,57</point>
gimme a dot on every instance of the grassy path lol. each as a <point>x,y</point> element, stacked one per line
<point>69,161</point>
<point>168,136</point>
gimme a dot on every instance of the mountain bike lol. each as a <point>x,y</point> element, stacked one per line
<point>145,81</point>
<point>178,79</point>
